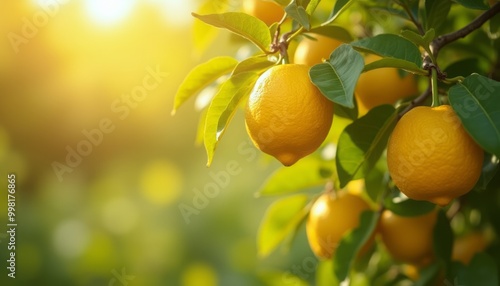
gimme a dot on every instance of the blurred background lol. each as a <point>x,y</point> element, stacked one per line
<point>106,178</point>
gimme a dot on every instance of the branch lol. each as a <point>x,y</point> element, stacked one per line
<point>445,39</point>
<point>413,19</point>
<point>417,101</point>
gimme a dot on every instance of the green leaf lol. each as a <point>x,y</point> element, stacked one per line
<point>349,113</point>
<point>361,143</point>
<point>304,174</point>
<point>427,276</point>
<point>474,4</point>
<point>311,7</point>
<point>475,101</point>
<point>299,14</point>
<point>482,270</point>
<point>399,47</point>
<point>463,67</point>
<point>337,78</point>
<point>437,12</point>
<point>324,274</point>
<point>257,64</point>
<point>333,31</point>
<point>223,106</point>
<point>404,206</point>
<point>201,76</point>
<point>443,238</point>
<point>419,40</point>
<point>375,184</point>
<point>395,63</point>
<point>340,6</point>
<point>494,26</point>
<point>351,243</point>
<point>490,169</point>
<point>280,219</point>
<point>281,2</point>
<point>241,24</point>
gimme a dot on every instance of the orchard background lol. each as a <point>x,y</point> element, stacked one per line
<point>113,190</point>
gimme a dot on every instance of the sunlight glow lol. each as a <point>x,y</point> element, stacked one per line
<point>176,11</point>
<point>109,12</point>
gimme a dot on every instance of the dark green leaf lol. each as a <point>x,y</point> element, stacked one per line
<point>494,27</point>
<point>399,47</point>
<point>463,67</point>
<point>419,40</point>
<point>351,243</point>
<point>404,206</point>
<point>201,76</point>
<point>340,6</point>
<point>395,63</point>
<point>474,4</point>
<point>427,276</point>
<point>333,31</point>
<point>482,270</point>
<point>349,113</point>
<point>222,108</point>
<point>304,174</point>
<point>241,24</point>
<point>437,12</point>
<point>253,64</point>
<point>443,238</point>
<point>361,143</point>
<point>280,219</point>
<point>337,78</point>
<point>375,184</point>
<point>299,14</point>
<point>475,101</point>
<point>490,168</point>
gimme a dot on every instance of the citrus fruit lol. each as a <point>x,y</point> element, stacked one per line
<point>382,86</point>
<point>431,157</point>
<point>267,11</point>
<point>286,115</point>
<point>465,247</point>
<point>408,239</point>
<point>331,216</point>
<point>311,52</point>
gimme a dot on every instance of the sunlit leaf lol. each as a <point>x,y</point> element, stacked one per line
<point>253,64</point>
<point>324,274</point>
<point>200,132</point>
<point>304,174</point>
<point>311,7</point>
<point>475,101</point>
<point>241,24</point>
<point>419,40</point>
<point>223,106</point>
<point>362,143</point>
<point>437,12</point>
<point>399,47</point>
<point>340,6</point>
<point>337,78</point>
<point>333,31</point>
<point>201,76</point>
<point>299,14</point>
<point>280,219</point>
<point>350,244</point>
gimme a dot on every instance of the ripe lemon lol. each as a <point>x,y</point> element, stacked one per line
<point>465,247</point>
<point>382,86</point>
<point>268,11</point>
<point>311,52</point>
<point>408,239</point>
<point>332,216</point>
<point>286,115</point>
<point>431,157</point>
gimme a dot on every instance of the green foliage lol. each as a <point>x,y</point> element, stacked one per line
<point>408,35</point>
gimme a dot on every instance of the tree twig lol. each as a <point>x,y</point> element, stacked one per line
<point>417,101</point>
<point>445,39</point>
<point>413,19</point>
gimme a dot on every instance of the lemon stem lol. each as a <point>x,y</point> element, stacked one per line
<point>434,86</point>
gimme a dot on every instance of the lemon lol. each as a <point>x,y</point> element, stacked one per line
<point>431,157</point>
<point>286,115</point>
<point>311,52</point>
